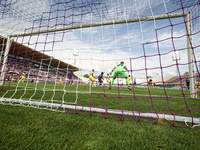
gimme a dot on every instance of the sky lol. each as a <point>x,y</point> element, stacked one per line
<point>145,46</point>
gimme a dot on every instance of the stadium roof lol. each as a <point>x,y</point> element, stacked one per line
<point>18,49</point>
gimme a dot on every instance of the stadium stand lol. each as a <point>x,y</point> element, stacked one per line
<point>23,59</point>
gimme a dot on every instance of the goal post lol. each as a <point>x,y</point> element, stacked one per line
<point>190,56</point>
<point>104,111</point>
<point>177,15</point>
<point>5,58</point>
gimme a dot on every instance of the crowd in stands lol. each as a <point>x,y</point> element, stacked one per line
<point>34,71</point>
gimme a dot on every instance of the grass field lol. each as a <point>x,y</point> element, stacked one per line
<point>29,128</point>
<point>162,101</point>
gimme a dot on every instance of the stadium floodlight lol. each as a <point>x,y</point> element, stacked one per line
<point>141,33</point>
<point>75,53</point>
<point>176,57</point>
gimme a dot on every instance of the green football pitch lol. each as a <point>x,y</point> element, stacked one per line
<point>163,101</point>
<point>29,128</point>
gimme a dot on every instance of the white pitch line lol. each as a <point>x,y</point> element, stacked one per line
<point>85,92</point>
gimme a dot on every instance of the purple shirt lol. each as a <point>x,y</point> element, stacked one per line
<point>100,76</point>
<point>70,75</point>
<point>187,82</point>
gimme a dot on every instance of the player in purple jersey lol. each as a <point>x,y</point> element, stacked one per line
<point>187,83</point>
<point>70,74</point>
<point>100,78</point>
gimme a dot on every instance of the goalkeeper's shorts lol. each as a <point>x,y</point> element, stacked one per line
<point>122,74</point>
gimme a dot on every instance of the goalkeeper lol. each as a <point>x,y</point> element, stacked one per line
<point>119,69</point>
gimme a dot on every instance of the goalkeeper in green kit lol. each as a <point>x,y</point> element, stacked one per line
<point>119,69</point>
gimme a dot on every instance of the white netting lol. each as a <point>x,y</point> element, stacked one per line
<point>157,40</point>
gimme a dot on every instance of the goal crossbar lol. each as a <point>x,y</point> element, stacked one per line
<point>177,15</point>
<point>108,111</point>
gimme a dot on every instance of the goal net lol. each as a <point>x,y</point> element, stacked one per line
<point>64,55</point>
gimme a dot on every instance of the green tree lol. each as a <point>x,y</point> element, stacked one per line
<point>86,76</point>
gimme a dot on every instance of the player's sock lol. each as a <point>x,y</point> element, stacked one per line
<point>127,81</point>
<point>128,84</point>
<point>112,82</point>
<point>100,85</point>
